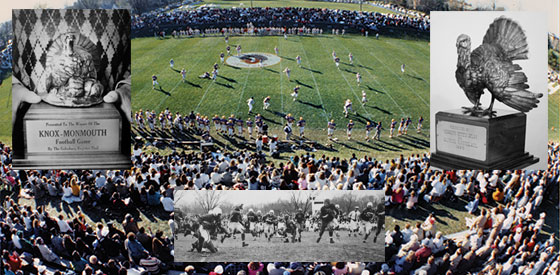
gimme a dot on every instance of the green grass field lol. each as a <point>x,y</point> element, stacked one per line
<point>294,3</point>
<point>324,89</point>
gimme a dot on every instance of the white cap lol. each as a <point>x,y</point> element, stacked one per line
<point>219,269</point>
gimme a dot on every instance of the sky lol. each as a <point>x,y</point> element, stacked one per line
<point>8,5</point>
<point>260,197</point>
<point>550,7</point>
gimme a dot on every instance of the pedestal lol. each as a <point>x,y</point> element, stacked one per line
<point>469,142</point>
<point>72,138</point>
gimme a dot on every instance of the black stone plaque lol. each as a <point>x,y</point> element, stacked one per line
<point>471,142</point>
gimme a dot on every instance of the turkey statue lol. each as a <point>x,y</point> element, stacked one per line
<point>490,67</point>
<point>72,75</point>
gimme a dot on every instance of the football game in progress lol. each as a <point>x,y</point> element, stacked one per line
<point>335,87</point>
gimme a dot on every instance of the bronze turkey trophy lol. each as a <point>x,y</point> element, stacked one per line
<point>72,127</point>
<point>478,138</point>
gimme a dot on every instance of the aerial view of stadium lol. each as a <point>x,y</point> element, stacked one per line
<point>278,95</point>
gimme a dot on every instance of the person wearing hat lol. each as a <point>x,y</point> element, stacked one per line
<point>327,215</point>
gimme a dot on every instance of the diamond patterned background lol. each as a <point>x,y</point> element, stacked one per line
<point>35,30</point>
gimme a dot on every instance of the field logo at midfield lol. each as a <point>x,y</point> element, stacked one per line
<point>251,60</point>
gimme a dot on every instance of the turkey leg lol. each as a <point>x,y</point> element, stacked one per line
<point>489,111</point>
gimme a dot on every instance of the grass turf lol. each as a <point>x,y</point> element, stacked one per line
<point>324,89</point>
<point>345,248</point>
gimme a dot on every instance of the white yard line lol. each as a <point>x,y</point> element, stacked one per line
<point>281,84</point>
<point>245,83</point>
<point>314,80</point>
<point>383,88</point>
<point>387,67</point>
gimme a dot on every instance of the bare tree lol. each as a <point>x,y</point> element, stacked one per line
<point>208,200</point>
<point>302,199</point>
<point>348,201</point>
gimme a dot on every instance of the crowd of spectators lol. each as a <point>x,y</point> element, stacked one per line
<point>285,268</point>
<point>34,241</point>
<point>553,77</point>
<point>287,16</point>
<point>504,234</point>
<point>6,56</point>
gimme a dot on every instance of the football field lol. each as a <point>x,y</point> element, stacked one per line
<point>391,94</point>
<point>345,248</point>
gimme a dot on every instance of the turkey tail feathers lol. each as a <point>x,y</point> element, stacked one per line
<point>509,36</point>
<point>520,99</point>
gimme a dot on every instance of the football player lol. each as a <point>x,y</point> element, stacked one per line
<point>171,63</point>
<point>236,225</point>
<point>266,103</point>
<point>291,228</point>
<point>401,127</point>
<point>351,58</point>
<point>155,82</point>
<point>287,72</point>
<point>250,103</point>
<point>295,93</point>
<point>369,126</point>
<point>183,74</point>
<point>252,220</point>
<point>337,62</point>
<point>392,130</point>
<point>378,128</point>
<point>364,97</point>
<point>269,222</point>
<point>327,215</point>
<point>249,127</point>
<point>330,129</point>
<point>300,222</point>
<point>301,125</point>
<point>367,217</point>
<point>347,107</point>
<point>298,60</point>
<point>419,126</point>
<point>359,79</point>
<point>222,56</point>
<point>349,127</point>
<point>354,217</point>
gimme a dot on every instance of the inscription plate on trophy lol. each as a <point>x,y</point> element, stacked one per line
<point>461,139</point>
<point>59,136</point>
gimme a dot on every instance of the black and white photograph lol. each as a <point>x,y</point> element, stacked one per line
<point>71,89</point>
<point>488,94</point>
<point>279,226</point>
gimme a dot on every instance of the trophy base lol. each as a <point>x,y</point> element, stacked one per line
<point>72,138</point>
<point>471,142</point>
<point>450,162</point>
<point>74,161</point>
